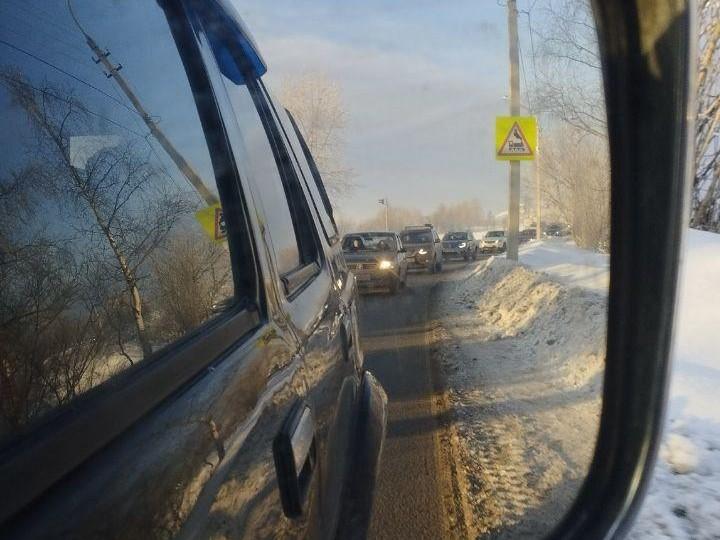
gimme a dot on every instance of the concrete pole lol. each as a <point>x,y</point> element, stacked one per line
<point>514,202</point>
<point>538,191</point>
<point>387,228</point>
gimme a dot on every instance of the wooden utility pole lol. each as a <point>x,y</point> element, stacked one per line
<point>514,202</point>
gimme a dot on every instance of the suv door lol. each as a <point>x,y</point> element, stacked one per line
<point>312,297</point>
<point>180,440</point>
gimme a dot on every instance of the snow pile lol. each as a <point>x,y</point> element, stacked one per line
<point>568,264</point>
<point>523,357</point>
<point>684,496</point>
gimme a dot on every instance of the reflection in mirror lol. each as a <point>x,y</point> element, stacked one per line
<point>111,233</point>
<point>493,366</point>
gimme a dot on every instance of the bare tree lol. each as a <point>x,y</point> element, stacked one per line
<point>705,212</point>
<point>568,66</point>
<point>131,210</point>
<point>576,183</point>
<point>192,275</point>
<point>316,103</point>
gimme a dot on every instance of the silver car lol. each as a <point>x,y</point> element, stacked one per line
<point>493,242</point>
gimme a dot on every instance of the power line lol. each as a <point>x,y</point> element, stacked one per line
<point>68,74</point>
<point>78,105</point>
<point>45,45</point>
<point>51,24</point>
<point>38,13</point>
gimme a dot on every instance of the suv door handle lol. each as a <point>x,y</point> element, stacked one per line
<point>295,455</point>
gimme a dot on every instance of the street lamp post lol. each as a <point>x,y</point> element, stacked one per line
<point>384,202</point>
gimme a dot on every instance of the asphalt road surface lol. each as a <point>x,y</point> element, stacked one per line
<point>414,485</point>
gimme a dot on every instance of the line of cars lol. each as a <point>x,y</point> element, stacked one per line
<point>380,260</point>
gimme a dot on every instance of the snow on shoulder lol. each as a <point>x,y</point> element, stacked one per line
<point>523,358</point>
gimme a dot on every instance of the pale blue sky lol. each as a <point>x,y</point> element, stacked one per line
<point>422,82</point>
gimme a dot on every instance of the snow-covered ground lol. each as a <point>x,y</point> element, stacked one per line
<point>568,264</point>
<point>684,496</point>
<point>522,349</point>
<point>523,357</point>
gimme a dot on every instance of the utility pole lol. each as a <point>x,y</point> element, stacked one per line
<point>113,71</point>
<point>384,202</point>
<point>514,202</point>
<point>538,195</point>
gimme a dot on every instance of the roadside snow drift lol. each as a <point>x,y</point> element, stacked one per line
<point>523,358</point>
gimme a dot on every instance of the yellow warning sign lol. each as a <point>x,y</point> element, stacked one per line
<point>212,221</point>
<point>515,137</point>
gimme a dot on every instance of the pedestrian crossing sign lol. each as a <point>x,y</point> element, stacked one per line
<point>515,137</point>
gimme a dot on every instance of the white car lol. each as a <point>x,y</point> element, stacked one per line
<point>493,242</point>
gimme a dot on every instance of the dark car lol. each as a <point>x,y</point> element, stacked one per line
<point>377,259</point>
<point>194,366</point>
<point>460,244</point>
<point>526,235</point>
<point>424,249</point>
<point>556,230</point>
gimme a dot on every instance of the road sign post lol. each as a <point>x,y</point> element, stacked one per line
<point>515,141</point>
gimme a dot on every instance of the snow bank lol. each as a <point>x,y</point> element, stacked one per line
<point>684,496</point>
<point>568,263</point>
<point>523,357</point>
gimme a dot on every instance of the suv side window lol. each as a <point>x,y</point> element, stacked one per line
<point>307,165</point>
<point>264,160</point>
<point>122,249</point>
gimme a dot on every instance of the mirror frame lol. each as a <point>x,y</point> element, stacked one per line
<point>648,58</point>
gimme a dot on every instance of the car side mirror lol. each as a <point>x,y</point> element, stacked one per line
<point>647,79</point>
<point>403,250</point>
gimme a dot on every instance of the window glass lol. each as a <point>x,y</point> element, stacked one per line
<point>264,159</point>
<point>263,171</point>
<point>310,171</point>
<point>112,234</point>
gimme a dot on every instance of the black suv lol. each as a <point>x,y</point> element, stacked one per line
<point>179,347</point>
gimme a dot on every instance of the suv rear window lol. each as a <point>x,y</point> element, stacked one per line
<point>417,237</point>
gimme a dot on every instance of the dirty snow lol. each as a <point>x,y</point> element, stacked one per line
<point>523,357</point>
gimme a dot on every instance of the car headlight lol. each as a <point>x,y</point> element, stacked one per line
<point>462,245</point>
<point>422,252</point>
<point>385,265</point>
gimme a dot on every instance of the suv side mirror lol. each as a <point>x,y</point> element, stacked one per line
<point>647,61</point>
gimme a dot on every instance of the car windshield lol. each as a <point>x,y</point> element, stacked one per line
<point>495,234</point>
<point>456,236</point>
<point>369,242</point>
<point>417,237</point>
